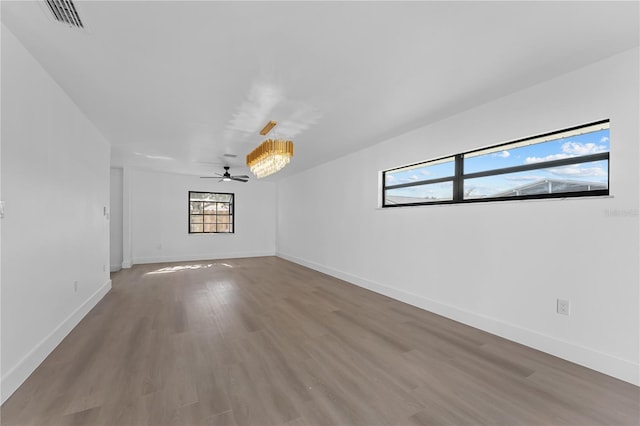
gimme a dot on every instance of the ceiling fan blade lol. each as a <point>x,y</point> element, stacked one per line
<point>209,177</point>
<point>238,179</point>
<point>241,176</point>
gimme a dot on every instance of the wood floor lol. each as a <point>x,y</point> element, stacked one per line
<point>266,342</point>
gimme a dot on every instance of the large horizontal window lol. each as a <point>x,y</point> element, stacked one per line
<point>568,163</point>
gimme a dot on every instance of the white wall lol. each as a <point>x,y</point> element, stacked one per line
<point>159,218</point>
<point>496,266</point>
<point>115,220</point>
<point>55,182</point>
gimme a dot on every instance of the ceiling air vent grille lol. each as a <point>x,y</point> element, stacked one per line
<point>65,11</point>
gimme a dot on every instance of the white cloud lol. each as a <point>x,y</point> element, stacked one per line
<point>569,149</point>
<point>604,139</point>
<point>551,157</point>
<point>576,148</point>
<point>401,178</point>
<point>503,154</point>
<point>577,171</point>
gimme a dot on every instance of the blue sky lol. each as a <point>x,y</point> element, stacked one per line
<point>574,146</point>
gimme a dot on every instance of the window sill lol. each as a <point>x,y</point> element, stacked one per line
<point>475,203</point>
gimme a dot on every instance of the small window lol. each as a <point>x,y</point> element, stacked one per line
<point>211,213</point>
<point>567,163</point>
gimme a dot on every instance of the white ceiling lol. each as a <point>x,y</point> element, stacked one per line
<point>175,85</point>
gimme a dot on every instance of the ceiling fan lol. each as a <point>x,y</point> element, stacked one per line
<point>226,177</point>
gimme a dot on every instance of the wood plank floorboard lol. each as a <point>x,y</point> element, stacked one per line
<point>263,341</point>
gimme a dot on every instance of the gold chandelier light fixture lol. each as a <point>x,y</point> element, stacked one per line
<point>271,155</point>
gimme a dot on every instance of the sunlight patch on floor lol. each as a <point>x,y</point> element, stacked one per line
<point>179,268</point>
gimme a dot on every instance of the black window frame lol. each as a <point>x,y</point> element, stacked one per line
<point>231,214</point>
<point>459,176</point>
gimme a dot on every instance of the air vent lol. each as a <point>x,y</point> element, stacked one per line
<point>230,155</point>
<point>65,11</point>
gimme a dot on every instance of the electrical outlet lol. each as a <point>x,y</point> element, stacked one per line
<point>563,307</point>
<point>75,286</point>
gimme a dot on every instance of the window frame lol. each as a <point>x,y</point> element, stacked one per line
<point>460,177</point>
<point>231,214</point>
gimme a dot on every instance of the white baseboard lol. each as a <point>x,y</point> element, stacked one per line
<point>27,365</point>
<point>115,268</point>
<point>595,360</point>
<point>197,257</point>
<point>126,264</point>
